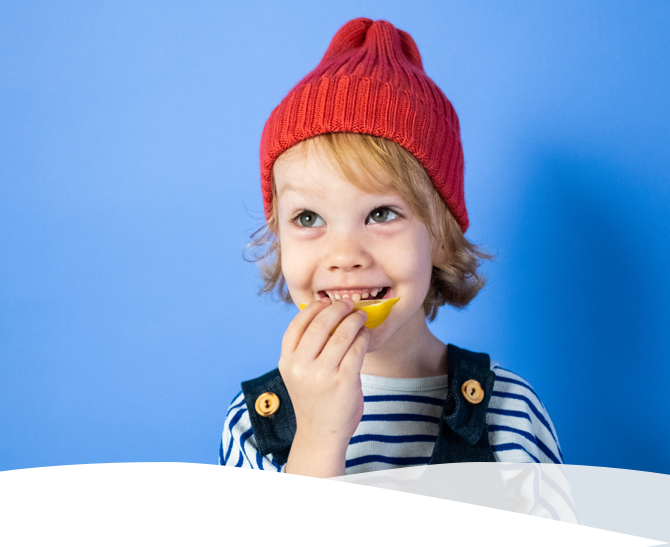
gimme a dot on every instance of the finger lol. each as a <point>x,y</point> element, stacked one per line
<point>318,332</point>
<point>352,362</point>
<point>299,324</point>
<point>342,338</point>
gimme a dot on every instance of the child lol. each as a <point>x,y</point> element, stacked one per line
<point>362,179</point>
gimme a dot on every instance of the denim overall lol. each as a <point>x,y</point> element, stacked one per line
<point>462,435</point>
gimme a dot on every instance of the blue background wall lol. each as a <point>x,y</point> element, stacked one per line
<point>129,184</point>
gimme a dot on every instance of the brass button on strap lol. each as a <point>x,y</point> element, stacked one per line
<point>472,391</point>
<point>267,404</point>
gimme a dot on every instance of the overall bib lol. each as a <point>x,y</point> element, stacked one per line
<point>462,435</point>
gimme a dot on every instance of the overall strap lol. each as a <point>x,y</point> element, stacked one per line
<point>462,433</point>
<point>274,432</point>
<point>463,436</point>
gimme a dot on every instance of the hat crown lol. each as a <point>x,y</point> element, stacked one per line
<point>372,42</point>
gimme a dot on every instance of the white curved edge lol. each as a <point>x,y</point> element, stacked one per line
<point>193,504</point>
<point>618,500</point>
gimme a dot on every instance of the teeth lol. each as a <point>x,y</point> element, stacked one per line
<point>339,294</point>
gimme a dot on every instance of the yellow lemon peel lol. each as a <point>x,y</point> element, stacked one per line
<point>377,310</point>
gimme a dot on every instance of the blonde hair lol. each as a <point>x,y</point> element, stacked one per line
<point>454,281</point>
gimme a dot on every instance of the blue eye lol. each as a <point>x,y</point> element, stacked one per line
<point>382,214</point>
<point>309,219</point>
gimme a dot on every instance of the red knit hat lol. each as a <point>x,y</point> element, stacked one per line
<point>371,80</point>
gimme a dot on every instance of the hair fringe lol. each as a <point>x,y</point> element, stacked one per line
<point>454,281</point>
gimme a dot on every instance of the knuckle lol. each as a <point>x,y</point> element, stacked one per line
<point>358,349</point>
<point>347,329</point>
<point>341,335</point>
<point>361,342</point>
<point>319,377</point>
<point>319,323</point>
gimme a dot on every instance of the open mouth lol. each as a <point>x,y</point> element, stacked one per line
<point>358,294</point>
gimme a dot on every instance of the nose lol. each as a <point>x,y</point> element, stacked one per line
<point>346,251</point>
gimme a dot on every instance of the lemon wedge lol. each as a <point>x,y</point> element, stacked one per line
<point>377,310</point>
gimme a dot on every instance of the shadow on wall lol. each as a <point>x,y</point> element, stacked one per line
<point>591,260</point>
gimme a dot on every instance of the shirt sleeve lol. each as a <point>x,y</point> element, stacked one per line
<point>523,437</point>
<point>238,446</point>
<point>519,426</point>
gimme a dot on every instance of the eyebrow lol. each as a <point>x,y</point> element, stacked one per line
<point>288,187</point>
<point>310,191</point>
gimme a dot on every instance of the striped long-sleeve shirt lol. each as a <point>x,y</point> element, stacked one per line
<point>400,425</point>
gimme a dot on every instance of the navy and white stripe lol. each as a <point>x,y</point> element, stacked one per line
<point>238,445</point>
<point>400,425</point>
<point>520,429</point>
<point>400,422</point>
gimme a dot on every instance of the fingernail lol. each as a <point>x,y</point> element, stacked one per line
<point>362,314</point>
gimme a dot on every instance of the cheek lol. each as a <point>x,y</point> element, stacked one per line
<point>417,269</point>
<point>413,258</point>
<point>294,265</point>
<point>422,273</point>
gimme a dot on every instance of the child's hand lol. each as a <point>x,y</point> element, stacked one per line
<point>322,375</point>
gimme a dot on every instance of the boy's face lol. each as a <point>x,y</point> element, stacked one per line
<point>337,240</point>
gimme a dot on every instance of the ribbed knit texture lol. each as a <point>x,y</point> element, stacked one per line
<point>371,80</point>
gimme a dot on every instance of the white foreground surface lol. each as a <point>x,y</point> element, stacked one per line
<point>191,504</point>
